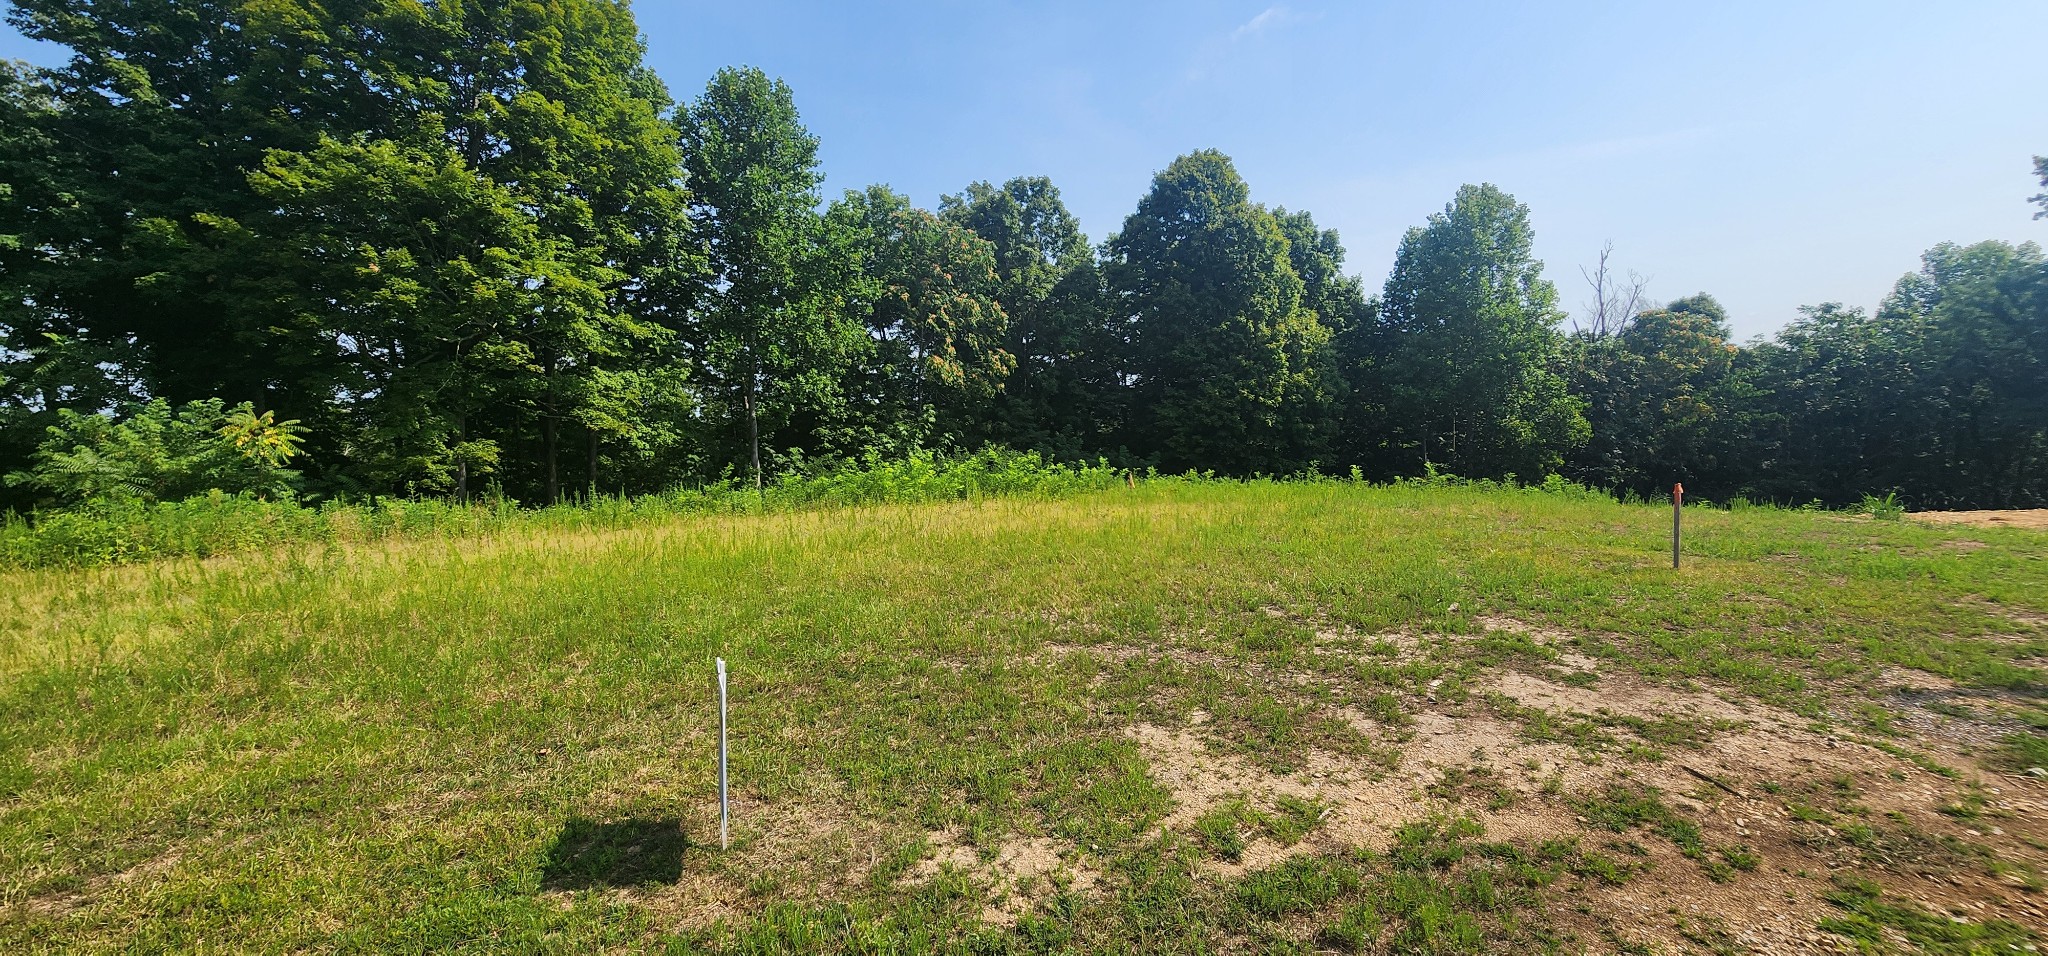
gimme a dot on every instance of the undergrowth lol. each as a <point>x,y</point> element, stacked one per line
<point>120,532</point>
<point>125,531</point>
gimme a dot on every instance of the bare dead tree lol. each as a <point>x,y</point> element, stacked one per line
<point>1615,300</point>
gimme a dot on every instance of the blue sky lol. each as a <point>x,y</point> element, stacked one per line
<point>1773,154</point>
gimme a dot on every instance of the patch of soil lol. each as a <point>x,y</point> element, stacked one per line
<point>1742,786</point>
<point>1022,872</point>
<point>1362,812</point>
<point>1619,695</point>
<point>1551,638</point>
<point>99,887</point>
<point>2035,519</point>
<point>1745,781</point>
<point>1936,709</point>
<point>813,848</point>
<point>1769,911</point>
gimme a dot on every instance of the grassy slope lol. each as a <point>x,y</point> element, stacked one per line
<point>505,743</point>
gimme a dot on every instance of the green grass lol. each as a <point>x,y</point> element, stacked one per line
<point>1622,808</point>
<point>1872,922</point>
<point>99,533</point>
<point>502,740</point>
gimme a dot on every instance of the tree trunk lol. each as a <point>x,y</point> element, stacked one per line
<point>754,439</point>
<point>462,466</point>
<point>754,409</point>
<point>548,440</point>
<point>593,464</point>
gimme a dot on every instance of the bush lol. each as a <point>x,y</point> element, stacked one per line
<point>150,452</point>
<point>1886,508</point>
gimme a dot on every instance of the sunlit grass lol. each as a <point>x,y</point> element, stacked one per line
<point>381,745</point>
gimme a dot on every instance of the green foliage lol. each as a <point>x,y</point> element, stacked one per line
<point>1466,349</point>
<point>931,309</point>
<point>1231,372</point>
<point>474,246</point>
<point>1064,395</point>
<point>121,531</point>
<point>426,230</point>
<point>1939,396</point>
<point>1886,508</point>
<point>1663,402</point>
<point>152,452</point>
<point>765,324</point>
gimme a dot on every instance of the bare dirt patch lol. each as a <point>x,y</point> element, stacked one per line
<point>1556,640</point>
<point>102,886</point>
<point>813,848</point>
<point>1776,911</point>
<point>1364,804</point>
<point>1615,695</point>
<point>1753,780</point>
<point>2035,519</point>
<point>1939,710</point>
<point>1022,872</point>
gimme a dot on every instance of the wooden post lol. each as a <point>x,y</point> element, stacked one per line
<point>1677,515</point>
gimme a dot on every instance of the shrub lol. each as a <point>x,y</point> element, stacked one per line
<point>1886,508</point>
<point>150,452</point>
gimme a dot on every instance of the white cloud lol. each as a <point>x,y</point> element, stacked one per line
<point>1269,17</point>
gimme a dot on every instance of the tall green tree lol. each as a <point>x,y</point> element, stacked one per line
<point>532,326</point>
<point>931,308</point>
<point>47,367</point>
<point>1664,402</point>
<point>225,255</point>
<point>425,275</point>
<point>1843,413</point>
<point>1339,303</point>
<point>1317,256</point>
<point>1979,316</point>
<point>1063,398</point>
<point>159,116</point>
<point>1230,372</point>
<point>563,89</point>
<point>1941,396</point>
<point>770,340</point>
<point>1470,357</point>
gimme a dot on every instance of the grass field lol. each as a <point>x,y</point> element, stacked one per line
<point>1180,717</point>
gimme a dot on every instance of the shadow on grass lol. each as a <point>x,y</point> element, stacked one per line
<point>633,852</point>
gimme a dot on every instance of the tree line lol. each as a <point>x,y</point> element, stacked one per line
<point>435,248</point>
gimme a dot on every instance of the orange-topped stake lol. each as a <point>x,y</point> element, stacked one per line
<point>1677,512</point>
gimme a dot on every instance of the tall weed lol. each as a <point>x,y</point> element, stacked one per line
<point>119,532</point>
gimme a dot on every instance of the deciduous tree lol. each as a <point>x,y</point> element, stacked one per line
<point>1065,396</point>
<point>930,304</point>
<point>1471,367</point>
<point>1663,402</point>
<point>770,340</point>
<point>1230,372</point>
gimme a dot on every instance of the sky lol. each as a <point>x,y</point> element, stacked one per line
<point>1772,154</point>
